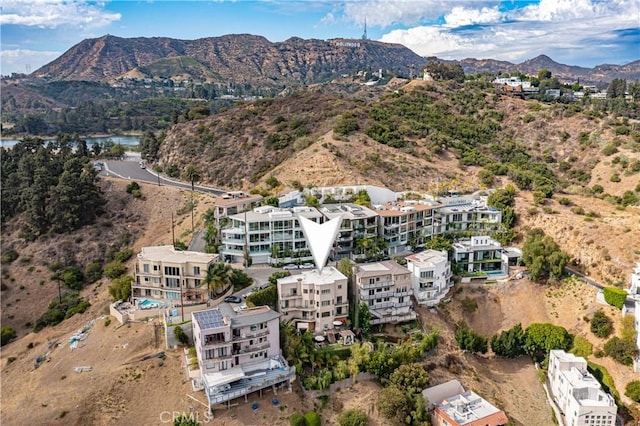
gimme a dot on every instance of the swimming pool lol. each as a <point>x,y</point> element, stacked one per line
<point>495,273</point>
<point>150,304</point>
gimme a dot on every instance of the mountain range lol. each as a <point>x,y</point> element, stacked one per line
<point>245,58</point>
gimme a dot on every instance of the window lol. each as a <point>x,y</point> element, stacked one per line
<point>196,270</point>
<point>426,274</point>
<point>326,314</point>
<point>224,365</point>
<point>173,295</point>
<point>145,268</point>
<point>326,291</point>
<point>172,282</point>
<point>156,268</point>
<point>171,270</point>
<point>326,302</point>
<point>339,286</point>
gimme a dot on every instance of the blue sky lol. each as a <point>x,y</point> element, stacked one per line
<point>574,32</point>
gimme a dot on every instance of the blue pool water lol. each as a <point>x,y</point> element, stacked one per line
<point>494,273</point>
<point>150,304</point>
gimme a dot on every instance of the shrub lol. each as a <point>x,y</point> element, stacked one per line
<point>610,149</point>
<point>71,304</point>
<point>133,186</point>
<point>597,189</point>
<point>6,334</point>
<point>622,351</point>
<point>114,269</point>
<point>469,340</point>
<point>180,335</point>
<point>469,305</point>
<point>632,391</point>
<point>311,418</point>
<point>123,255</point>
<point>9,256</point>
<point>93,272</point>
<point>510,343</point>
<point>581,347</point>
<point>615,178</point>
<point>615,296</point>
<point>353,417</point>
<point>296,419</point>
<point>120,288</point>
<point>73,277</point>
<point>601,324</point>
<point>540,338</point>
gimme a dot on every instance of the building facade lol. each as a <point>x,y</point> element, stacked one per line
<point>165,276</point>
<point>467,214</point>
<point>358,222</point>
<point>467,409</point>
<point>238,352</point>
<point>314,299</point>
<point>385,287</point>
<point>405,225</point>
<point>480,255</point>
<point>577,393</point>
<point>267,235</point>
<point>235,202</point>
<point>430,276</point>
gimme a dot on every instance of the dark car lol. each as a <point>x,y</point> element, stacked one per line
<point>232,299</point>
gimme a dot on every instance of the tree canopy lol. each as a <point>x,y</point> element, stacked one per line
<point>543,256</point>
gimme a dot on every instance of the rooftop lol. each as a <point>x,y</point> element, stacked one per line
<point>379,268</point>
<point>349,211</point>
<point>169,254</point>
<point>224,314</point>
<point>399,208</point>
<point>428,258</point>
<point>469,407</point>
<point>236,197</point>
<point>266,213</point>
<point>329,275</point>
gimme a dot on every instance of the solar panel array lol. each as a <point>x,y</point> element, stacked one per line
<point>209,319</point>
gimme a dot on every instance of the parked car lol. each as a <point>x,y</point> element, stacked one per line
<point>142,165</point>
<point>263,286</point>
<point>232,299</point>
<point>307,266</point>
<point>290,267</point>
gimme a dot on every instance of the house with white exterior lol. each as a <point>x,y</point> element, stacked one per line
<point>238,352</point>
<point>467,214</point>
<point>314,300</point>
<point>430,276</point>
<point>358,222</point>
<point>385,287</point>
<point>578,394</point>
<point>267,235</point>
<point>632,306</point>
<point>450,405</point>
<point>482,255</point>
<point>166,277</point>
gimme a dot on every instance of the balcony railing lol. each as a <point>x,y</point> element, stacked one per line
<point>250,335</point>
<point>377,284</point>
<point>251,349</point>
<point>298,307</point>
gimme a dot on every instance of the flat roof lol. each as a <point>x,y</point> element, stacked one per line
<point>234,198</point>
<point>211,318</point>
<point>475,408</point>
<point>400,208</point>
<point>168,253</point>
<point>349,211</point>
<point>276,214</point>
<point>428,257</point>
<point>247,316</point>
<point>378,268</point>
<point>329,275</point>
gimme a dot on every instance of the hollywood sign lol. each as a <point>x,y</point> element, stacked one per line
<point>347,44</point>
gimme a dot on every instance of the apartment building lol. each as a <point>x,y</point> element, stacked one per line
<point>314,299</point>
<point>235,202</point>
<point>467,409</point>
<point>578,394</point>
<point>469,213</point>
<point>238,352</point>
<point>482,255</point>
<point>165,276</point>
<point>385,287</point>
<point>268,235</point>
<point>358,222</point>
<point>430,276</point>
<point>405,225</point>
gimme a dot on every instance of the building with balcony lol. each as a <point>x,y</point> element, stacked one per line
<point>430,276</point>
<point>358,222</point>
<point>467,214</point>
<point>238,352</point>
<point>269,235</point>
<point>467,409</point>
<point>314,299</point>
<point>231,203</point>
<point>167,277</point>
<point>385,287</point>
<point>577,393</point>
<point>482,256</point>
<point>405,225</point>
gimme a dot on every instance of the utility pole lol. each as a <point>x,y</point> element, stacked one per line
<point>173,234</point>
<point>59,291</point>
<point>158,175</point>
<point>192,227</point>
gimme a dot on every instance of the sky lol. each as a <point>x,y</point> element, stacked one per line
<point>574,32</point>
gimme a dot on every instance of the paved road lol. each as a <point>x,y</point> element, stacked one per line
<point>129,168</point>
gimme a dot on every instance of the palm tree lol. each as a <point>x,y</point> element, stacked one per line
<point>218,278</point>
<point>193,174</point>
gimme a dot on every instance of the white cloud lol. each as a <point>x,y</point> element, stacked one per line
<point>572,28</point>
<point>24,60</point>
<point>55,13</point>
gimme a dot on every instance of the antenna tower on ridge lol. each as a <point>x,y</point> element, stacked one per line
<point>364,36</point>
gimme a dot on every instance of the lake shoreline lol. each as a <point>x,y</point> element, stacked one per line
<point>92,136</point>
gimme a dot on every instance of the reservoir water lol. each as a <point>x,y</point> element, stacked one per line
<point>126,140</point>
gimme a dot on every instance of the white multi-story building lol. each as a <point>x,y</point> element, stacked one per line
<point>634,294</point>
<point>267,235</point>
<point>231,203</point>
<point>467,213</point>
<point>165,276</point>
<point>578,394</point>
<point>238,352</point>
<point>358,222</point>
<point>430,276</point>
<point>481,254</point>
<point>314,299</point>
<point>385,287</point>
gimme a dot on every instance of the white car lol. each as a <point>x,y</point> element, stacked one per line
<point>289,267</point>
<point>307,266</point>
